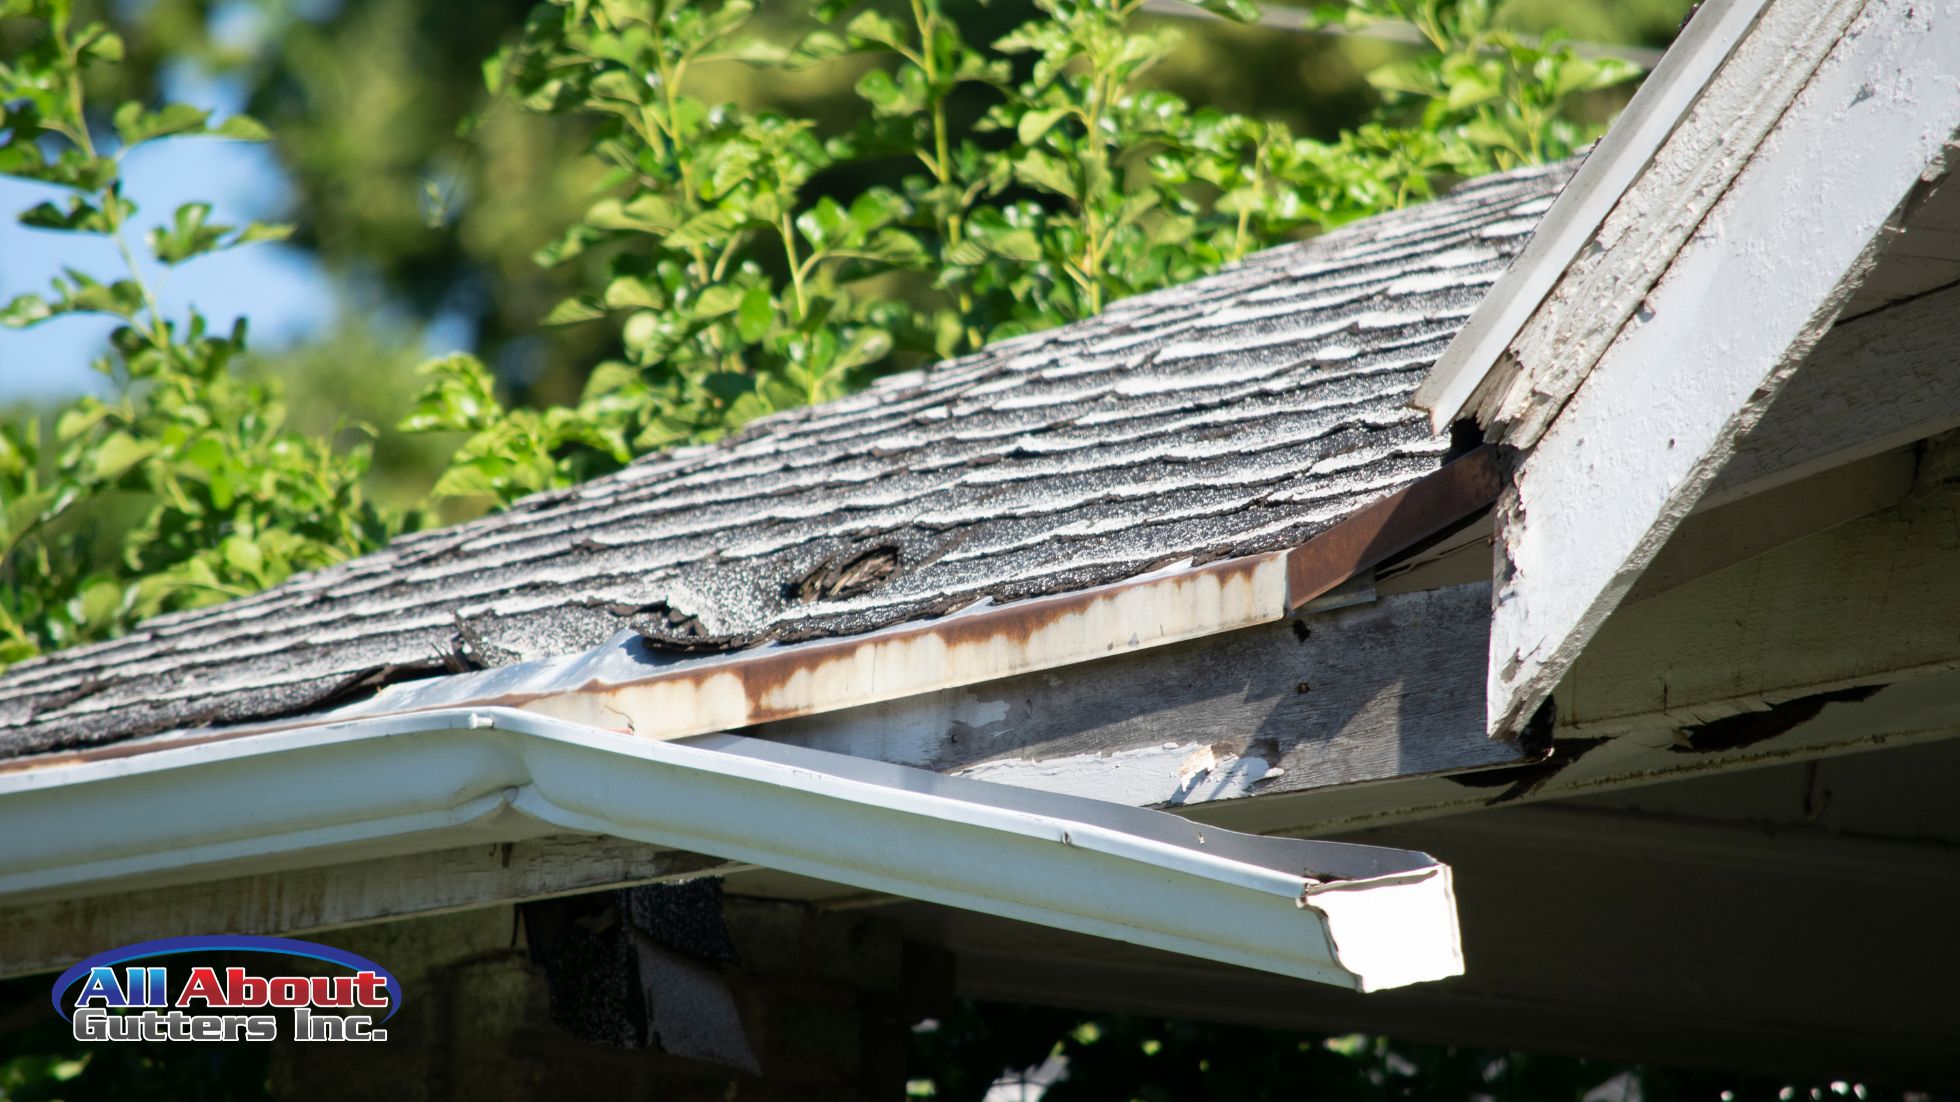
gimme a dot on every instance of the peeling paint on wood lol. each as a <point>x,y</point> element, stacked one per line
<point>1609,284</point>
<point>1738,308</point>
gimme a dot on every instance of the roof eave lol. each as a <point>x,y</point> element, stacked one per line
<point>622,686</point>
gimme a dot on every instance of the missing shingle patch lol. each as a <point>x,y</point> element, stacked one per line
<point>845,575</point>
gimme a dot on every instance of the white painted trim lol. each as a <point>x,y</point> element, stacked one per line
<point>1356,916</point>
<point>1875,382</point>
<point>1738,308</point>
<point>1662,101</point>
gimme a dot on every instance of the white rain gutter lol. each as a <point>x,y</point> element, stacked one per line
<point>1663,100</point>
<point>1356,916</point>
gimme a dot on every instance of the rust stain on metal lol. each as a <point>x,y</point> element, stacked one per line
<point>984,644</point>
<point>129,749</point>
<point>766,686</point>
<point>1392,525</point>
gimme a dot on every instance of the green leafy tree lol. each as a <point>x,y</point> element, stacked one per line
<point>185,488</point>
<point>742,287</point>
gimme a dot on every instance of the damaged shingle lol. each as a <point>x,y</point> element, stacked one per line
<point>1240,413</point>
<point>842,576</point>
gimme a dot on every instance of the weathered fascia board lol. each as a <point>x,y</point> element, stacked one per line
<point>1367,693</point>
<point>49,936</point>
<point>1523,381</point>
<point>1738,308</point>
<point>624,685</point>
<point>1572,225</point>
<point>1356,916</point>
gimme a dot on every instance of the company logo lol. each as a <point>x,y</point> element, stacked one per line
<point>111,997</point>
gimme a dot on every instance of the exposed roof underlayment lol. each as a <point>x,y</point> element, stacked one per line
<point>1241,414</point>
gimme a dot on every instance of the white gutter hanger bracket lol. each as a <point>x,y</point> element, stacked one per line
<point>1362,917</point>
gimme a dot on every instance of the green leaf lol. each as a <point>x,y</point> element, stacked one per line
<point>722,298</point>
<point>22,513</point>
<point>645,213</point>
<point>494,68</point>
<point>188,236</point>
<point>244,556</point>
<point>892,98</point>
<point>116,454</point>
<point>1046,172</point>
<point>1241,11</point>
<point>123,298</point>
<point>135,125</point>
<point>756,315</point>
<point>70,168</point>
<point>242,128</point>
<point>574,310</point>
<point>99,43</point>
<point>817,46</point>
<point>263,231</point>
<point>81,216</point>
<point>875,27</point>
<point>865,346</point>
<point>1036,123</point>
<point>825,225</point>
<point>100,601</point>
<point>78,420</point>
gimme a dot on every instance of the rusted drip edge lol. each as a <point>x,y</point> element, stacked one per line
<point>982,644</point>
<point>1385,528</point>
<point>750,688</point>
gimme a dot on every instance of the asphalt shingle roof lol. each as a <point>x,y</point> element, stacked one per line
<point>1237,414</point>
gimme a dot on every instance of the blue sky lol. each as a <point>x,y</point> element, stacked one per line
<point>282,289</point>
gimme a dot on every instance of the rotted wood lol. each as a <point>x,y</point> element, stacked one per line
<point>1717,337</point>
<point>1364,693</point>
